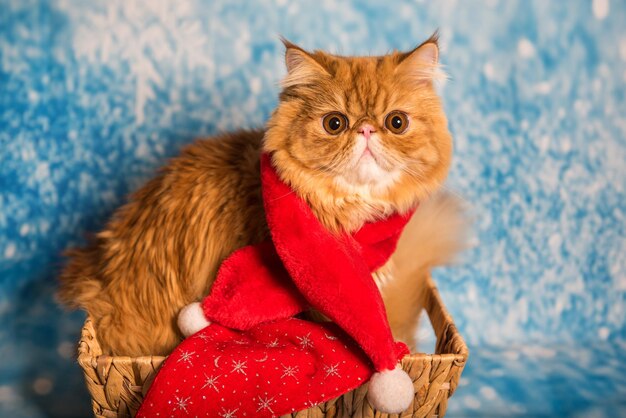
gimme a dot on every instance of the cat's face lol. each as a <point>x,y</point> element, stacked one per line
<point>366,124</point>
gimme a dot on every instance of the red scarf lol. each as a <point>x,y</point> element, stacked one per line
<point>255,357</point>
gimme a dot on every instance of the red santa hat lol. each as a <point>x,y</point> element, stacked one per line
<point>259,289</point>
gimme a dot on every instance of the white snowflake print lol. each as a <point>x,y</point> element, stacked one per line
<point>330,337</point>
<point>186,356</point>
<point>240,342</point>
<point>272,344</point>
<point>310,404</point>
<point>305,342</point>
<point>289,371</point>
<point>239,366</point>
<point>265,403</point>
<point>182,404</point>
<point>211,382</point>
<point>228,413</point>
<point>204,337</point>
<point>332,370</point>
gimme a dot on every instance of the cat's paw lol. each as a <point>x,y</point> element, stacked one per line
<point>191,319</point>
<point>390,391</point>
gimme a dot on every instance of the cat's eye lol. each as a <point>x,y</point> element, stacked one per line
<point>397,122</point>
<point>334,123</point>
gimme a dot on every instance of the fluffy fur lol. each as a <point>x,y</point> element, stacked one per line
<point>325,169</point>
<point>438,231</point>
<point>161,251</point>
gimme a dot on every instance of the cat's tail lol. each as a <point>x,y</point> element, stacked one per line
<point>79,284</point>
<point>437,233</point>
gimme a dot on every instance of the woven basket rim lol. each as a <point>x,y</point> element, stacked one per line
<point>118,384</point>
<point>441,321</point>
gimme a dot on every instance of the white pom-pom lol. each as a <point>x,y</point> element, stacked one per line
<point>390,391</point>
<point>191,319</point>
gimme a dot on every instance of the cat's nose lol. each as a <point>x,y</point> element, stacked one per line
<point>366,129</point>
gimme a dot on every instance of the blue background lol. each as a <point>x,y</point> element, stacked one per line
<point>94,96</point>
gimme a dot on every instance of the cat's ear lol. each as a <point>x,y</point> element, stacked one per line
<point>422,63</point>
<point>302,68</point>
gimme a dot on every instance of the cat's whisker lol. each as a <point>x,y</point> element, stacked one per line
<point>312,159</point>
<point>412,172</point>
<point>455,194</point>
<point>333,165</point>
<point>283,196</point>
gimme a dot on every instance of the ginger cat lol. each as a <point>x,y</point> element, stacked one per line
<point>357,138</point>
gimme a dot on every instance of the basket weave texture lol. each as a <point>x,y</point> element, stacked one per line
<point>118,384</point>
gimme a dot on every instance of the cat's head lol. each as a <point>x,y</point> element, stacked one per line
<point>360,137</point>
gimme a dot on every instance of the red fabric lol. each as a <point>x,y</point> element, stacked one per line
<point>272,369</point>
<point>252,287</point>
<point>259,289</point>
<point>331,271</point>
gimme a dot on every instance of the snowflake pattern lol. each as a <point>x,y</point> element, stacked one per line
<point>289,371</point>
<point>228,413</point>
<point>272,344</point>
<point>182,404</point>
<point>305,341</point>
<point>265,403</point>
<point>310,404</point>
<point>186,357</point>
<point>241,385</point>
<point>239,366</point>
<point>332,370</point>
<point>204,337</point>
<point>211,382</point>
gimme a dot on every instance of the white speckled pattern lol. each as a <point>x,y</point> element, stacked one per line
<point>94,96</point>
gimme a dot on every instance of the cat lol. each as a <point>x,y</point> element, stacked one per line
<point>357,138</point>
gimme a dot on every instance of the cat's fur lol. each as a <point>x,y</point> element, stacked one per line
<point>162,250</point>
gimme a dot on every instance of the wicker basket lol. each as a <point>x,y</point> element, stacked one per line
<point>118,384</point>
